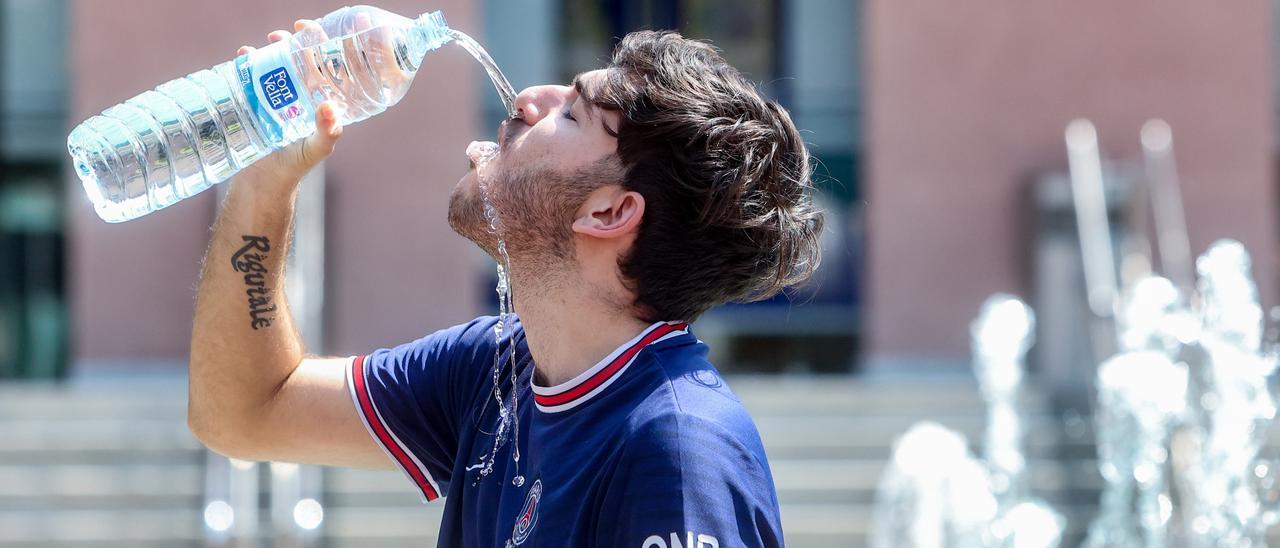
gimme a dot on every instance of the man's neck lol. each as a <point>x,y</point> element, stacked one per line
<point>569,330</point>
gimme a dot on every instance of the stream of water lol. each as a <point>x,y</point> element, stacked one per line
<point>508,414</point>
<point>500,83</point>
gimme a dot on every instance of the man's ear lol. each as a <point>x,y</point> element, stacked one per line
<point>610,212</point>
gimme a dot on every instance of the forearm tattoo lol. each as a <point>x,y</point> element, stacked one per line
<point>249,260</point>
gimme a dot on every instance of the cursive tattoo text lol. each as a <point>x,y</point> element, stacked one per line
<point>249,260</point>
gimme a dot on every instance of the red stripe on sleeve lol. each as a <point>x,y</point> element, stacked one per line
<point>384,437</point>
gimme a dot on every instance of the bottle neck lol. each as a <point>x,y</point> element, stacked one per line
<point>430,31</point>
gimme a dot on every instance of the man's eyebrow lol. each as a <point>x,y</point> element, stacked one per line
<point>580,87</point>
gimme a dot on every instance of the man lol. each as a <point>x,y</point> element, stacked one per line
<point>631,202</point>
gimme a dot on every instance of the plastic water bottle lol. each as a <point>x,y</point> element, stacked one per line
<point>186,135</point>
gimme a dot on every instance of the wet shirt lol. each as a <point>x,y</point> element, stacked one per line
<point>647,449</point>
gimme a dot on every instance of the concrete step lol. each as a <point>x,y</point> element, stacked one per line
<point>854,436</point>
<point>841,394</point>
<point>82,486</point>
<point>62,527</point>
<point>37,434</point>
<point>142,400</point>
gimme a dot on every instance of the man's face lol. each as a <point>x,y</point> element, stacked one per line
<point>548,159</point>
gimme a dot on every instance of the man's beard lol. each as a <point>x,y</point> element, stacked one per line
<point>467,218</point>
<point>535,207</point>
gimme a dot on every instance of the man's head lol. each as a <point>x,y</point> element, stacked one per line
<point>663,182</point>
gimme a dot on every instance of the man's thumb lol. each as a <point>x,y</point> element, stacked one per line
<point>319,145</point>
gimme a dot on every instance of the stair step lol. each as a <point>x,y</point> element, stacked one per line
<point>95,434</point>
<point>95,480</point>
<point>68,526</point>
<point>799,395</point>
<point>145,400</point>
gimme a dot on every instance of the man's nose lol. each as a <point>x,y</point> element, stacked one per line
<point>535,102</point>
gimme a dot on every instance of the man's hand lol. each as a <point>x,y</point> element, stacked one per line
<point>288,165</point>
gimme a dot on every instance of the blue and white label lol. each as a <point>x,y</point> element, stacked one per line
<point>278,88</point>
<point>270,88</point>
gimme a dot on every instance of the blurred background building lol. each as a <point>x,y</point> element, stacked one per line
<point>390,184</point>
<point>933,126</point>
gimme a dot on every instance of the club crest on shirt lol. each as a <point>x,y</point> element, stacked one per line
<point>528,514</point>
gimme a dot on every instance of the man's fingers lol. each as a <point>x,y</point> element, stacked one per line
<point>244,50</point>
<point>363,21</point>
<point>320,144</point>
<point>327,123</point>
<point>308,32</point>
<point>306,24</point>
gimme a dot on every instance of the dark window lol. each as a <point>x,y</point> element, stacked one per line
<point>33,333</point>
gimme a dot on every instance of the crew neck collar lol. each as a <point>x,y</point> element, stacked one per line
<point>593,381</point>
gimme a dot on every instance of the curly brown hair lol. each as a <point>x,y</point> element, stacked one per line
<point>729,215</point>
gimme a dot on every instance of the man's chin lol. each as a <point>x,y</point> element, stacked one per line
<point>469,179</point>
<point>466,215</point>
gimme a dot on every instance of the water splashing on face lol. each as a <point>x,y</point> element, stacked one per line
<point>509,419</point>
<point>482,153</point>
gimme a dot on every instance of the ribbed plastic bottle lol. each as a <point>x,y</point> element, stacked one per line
<point>186,135</point>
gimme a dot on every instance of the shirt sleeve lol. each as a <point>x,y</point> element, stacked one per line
<point>688,482</point>
<point>411,399</point>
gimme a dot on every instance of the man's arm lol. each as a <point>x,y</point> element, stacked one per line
<point>252,393</point>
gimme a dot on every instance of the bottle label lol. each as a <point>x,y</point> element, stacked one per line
<point>278,88</point>
<point>268,77</point>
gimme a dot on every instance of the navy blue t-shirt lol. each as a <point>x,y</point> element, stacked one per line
<point>647,449</point>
